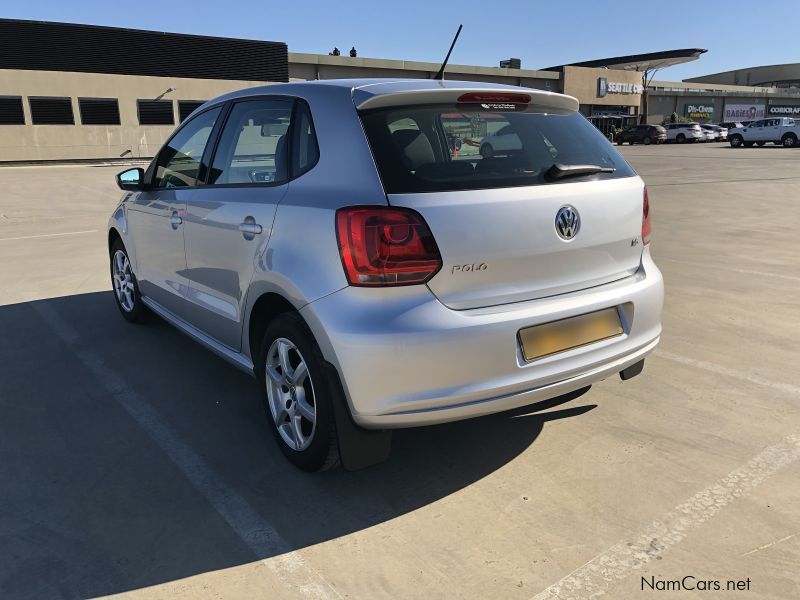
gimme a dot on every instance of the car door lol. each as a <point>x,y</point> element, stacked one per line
<point>672,131</point>
<point>229,218</point>
<point>755,132</point>
<point>155,216</point>
<point>772,130</point>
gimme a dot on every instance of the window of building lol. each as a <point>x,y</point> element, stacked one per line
<point>187,107</point>
<point>252,147</point>
<point>178,163</point>
<point>155,112</point>
<point>51,111</point>
<point>99,111</point>
<point>11,112</point>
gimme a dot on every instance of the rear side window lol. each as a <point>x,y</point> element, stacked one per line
<point>466,146</point>
<point>253,147</point>
<point>305,150</point>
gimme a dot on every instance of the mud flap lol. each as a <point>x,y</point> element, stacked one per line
<point>359,448</point>
<point>631,371</point>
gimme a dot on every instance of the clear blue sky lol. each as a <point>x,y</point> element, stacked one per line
<point>541,33</point>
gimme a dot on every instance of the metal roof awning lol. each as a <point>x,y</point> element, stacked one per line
<point>640,62</point>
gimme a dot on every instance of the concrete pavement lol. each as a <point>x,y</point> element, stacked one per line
<point>134,462</point>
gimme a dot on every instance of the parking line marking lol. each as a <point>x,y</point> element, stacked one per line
<point>727,371</point>
<point>592,579</point>
<point>45,235</point>
<point>770,545</point>
<point>258,534</point>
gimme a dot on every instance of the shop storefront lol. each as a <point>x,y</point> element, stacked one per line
<point>700,112</point>
<point>610,99</point>
<point>783,110</point>
<point>743,112</point>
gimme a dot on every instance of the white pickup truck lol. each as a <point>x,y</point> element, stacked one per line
<point>782,131</point>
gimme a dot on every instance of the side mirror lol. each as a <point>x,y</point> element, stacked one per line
<point>132,180</point>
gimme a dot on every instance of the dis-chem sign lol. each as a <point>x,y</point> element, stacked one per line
<point>699,111</point>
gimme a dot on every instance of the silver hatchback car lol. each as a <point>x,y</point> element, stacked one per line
<point>347,243</point>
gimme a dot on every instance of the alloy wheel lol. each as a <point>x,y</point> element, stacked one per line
<point>290,393</point>
<point>122,276</point>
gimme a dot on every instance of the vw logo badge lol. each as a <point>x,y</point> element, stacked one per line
<point>567,222</point>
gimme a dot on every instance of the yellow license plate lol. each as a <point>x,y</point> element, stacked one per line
<point>543,340</point>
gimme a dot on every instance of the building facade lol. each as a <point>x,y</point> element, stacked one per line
<point>82,92</point>
<point>716,103</point>
<point>785,76</point>
<point>72,92</point>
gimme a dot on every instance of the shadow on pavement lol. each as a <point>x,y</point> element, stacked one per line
<point>90,505</point>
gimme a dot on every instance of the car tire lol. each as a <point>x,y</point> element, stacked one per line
<point>736,141</point>
<point>620,141</point>
<point>789,140</point>
<point>298,405</point>
<point>487,151</point>
<point>680,138</point>
<point>647,141</point>
<point>125,286</point>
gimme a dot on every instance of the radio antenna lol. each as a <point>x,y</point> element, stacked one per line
<point>440,74</point>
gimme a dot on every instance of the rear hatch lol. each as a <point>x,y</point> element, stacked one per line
<point>510,226</point>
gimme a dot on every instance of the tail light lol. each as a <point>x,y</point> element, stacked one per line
<point>647,227</point>
<point>383,246</point>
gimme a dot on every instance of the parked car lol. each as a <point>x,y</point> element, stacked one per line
<point>348,283</point>
<point>783,131</point>
<point>717,133</point>
<point>685,132</point>
<point>503,141</point>
<point>642,134</point>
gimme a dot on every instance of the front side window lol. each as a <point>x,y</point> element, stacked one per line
<point>178,162</point>
<point>253,147</point>
<point>467,146</point>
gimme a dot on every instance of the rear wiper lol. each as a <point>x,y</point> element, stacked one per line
<point>559,171</point>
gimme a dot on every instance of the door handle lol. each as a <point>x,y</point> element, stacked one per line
<point>250,227</point>
<point>175,220</point>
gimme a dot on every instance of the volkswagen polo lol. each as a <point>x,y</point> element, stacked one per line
<point>329,239</point>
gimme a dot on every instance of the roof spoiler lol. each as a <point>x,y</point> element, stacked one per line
<point>365,100</point>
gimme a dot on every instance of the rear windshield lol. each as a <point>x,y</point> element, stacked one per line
<point>466,146</point>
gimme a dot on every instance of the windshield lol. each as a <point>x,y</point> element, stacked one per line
<point>468,146</point>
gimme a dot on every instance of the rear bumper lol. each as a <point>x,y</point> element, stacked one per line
<point>406,360</point>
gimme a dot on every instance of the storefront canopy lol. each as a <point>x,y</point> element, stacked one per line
<point>640,62</point>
